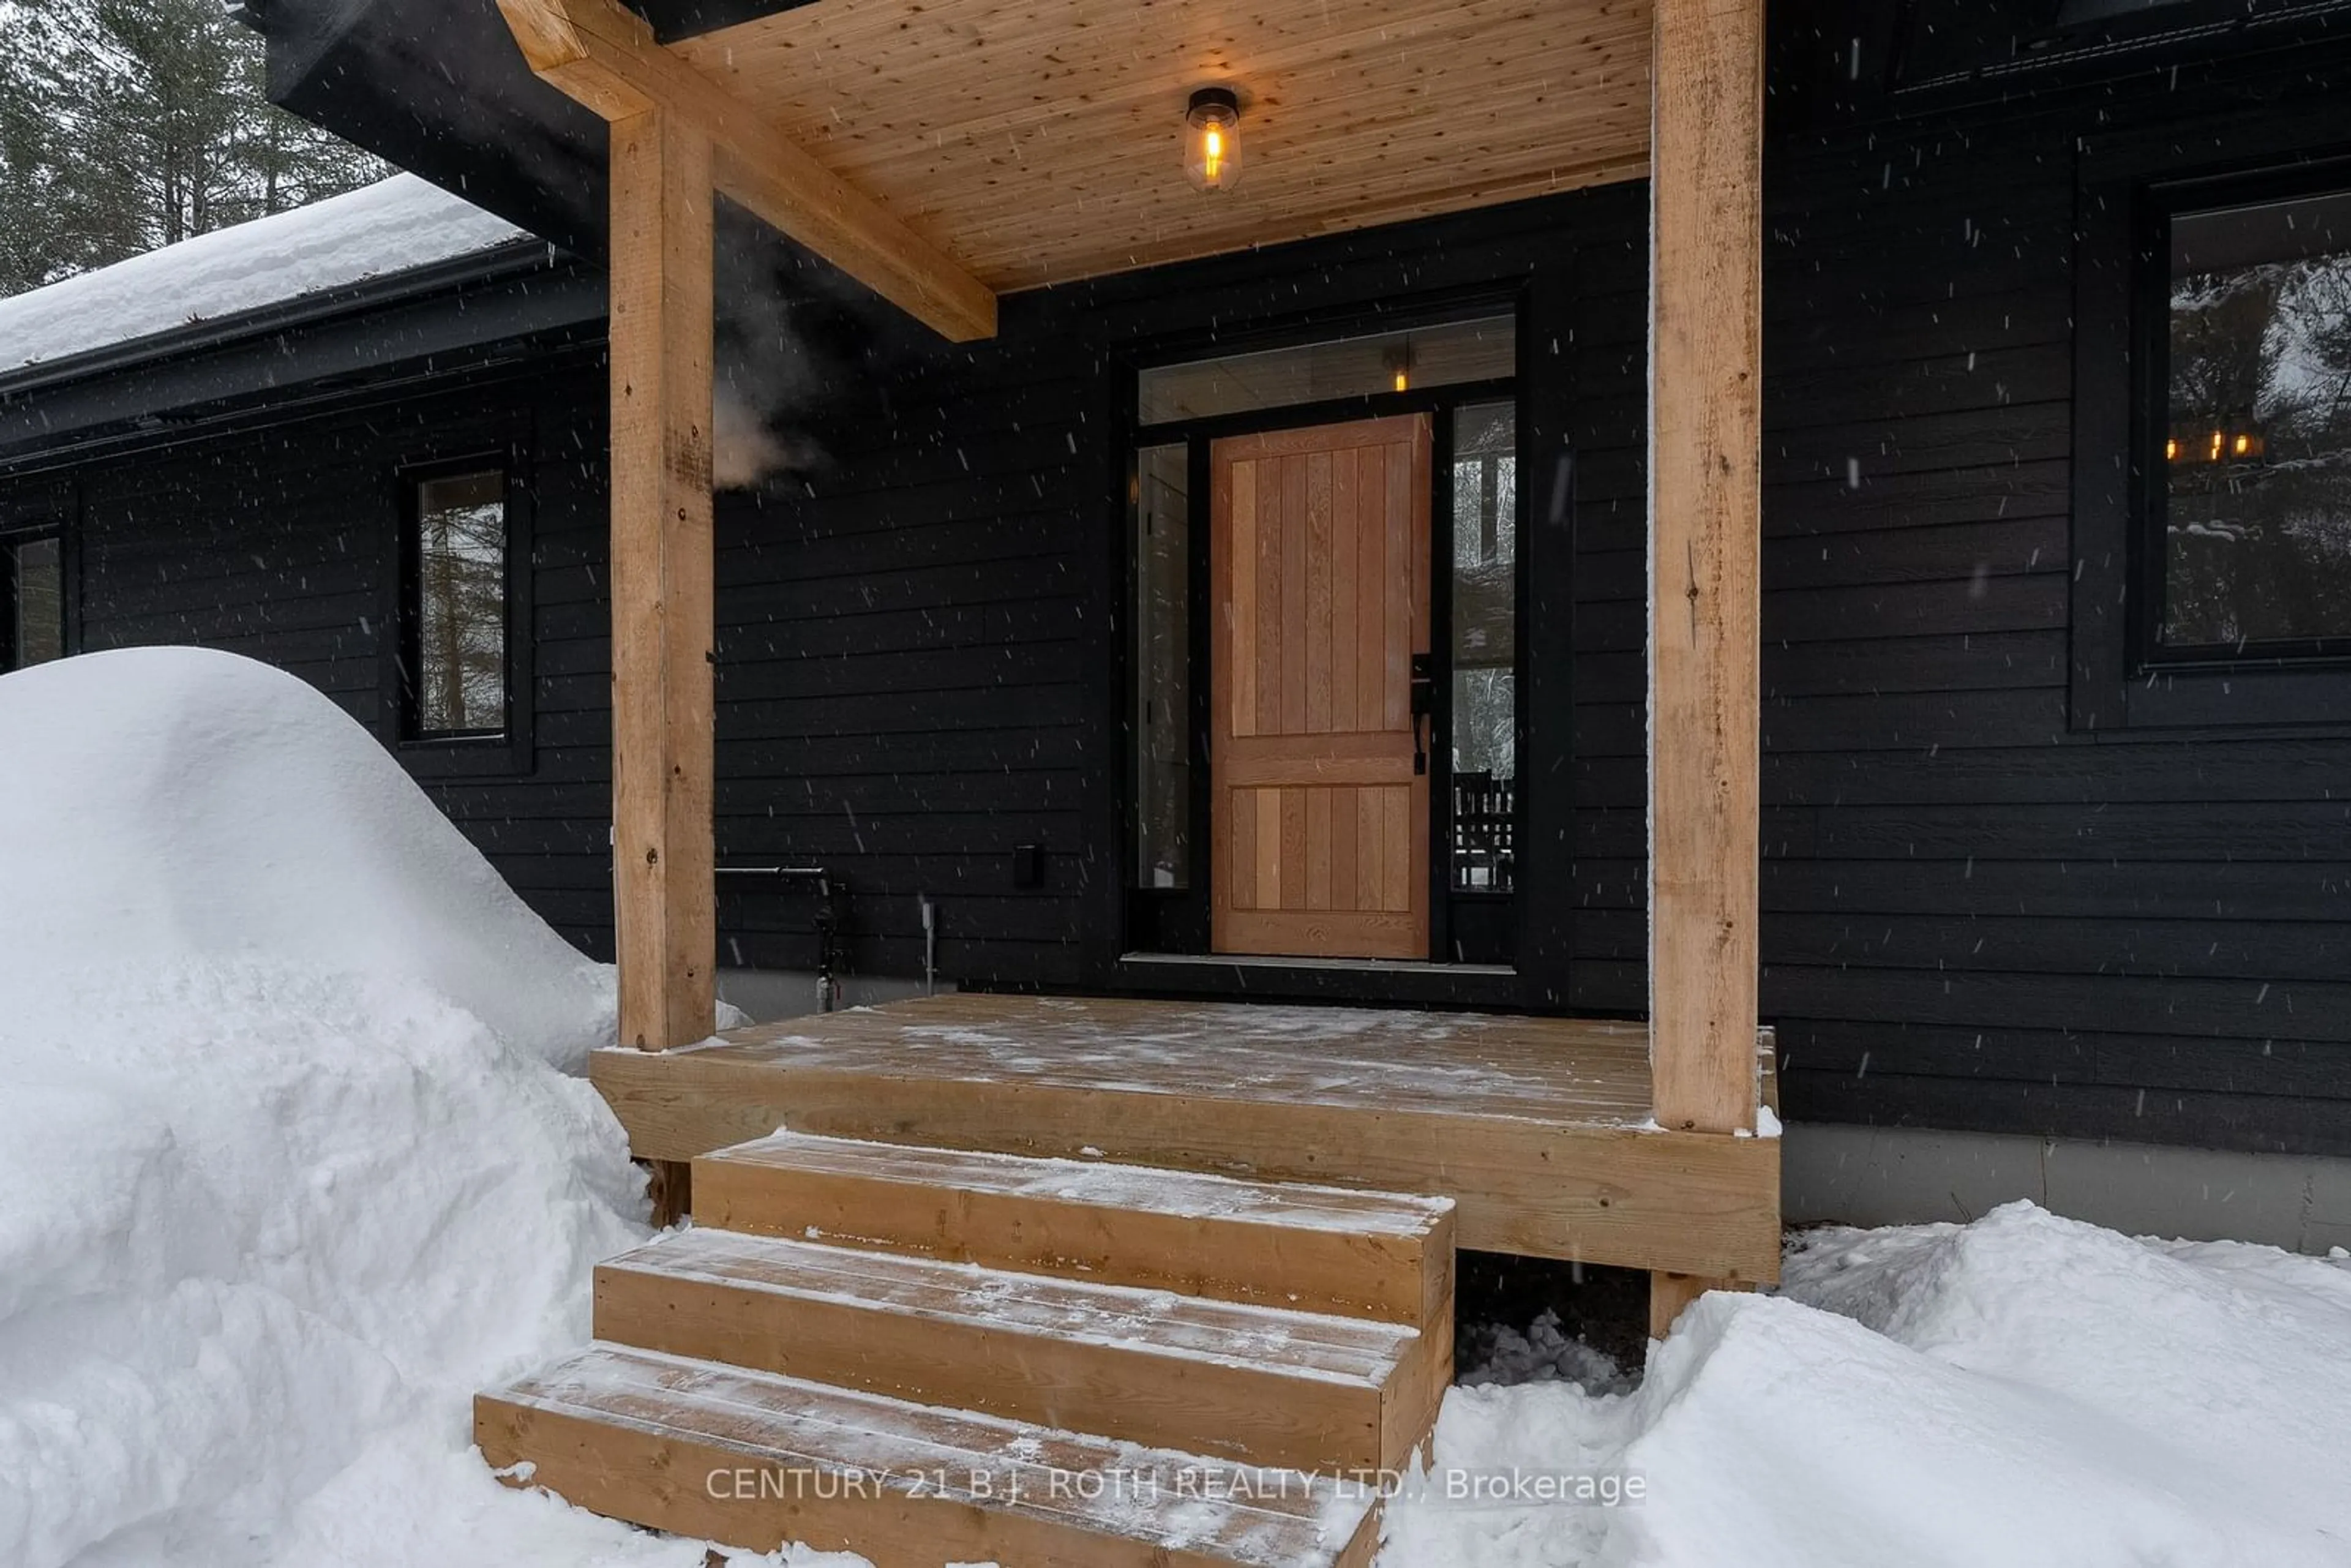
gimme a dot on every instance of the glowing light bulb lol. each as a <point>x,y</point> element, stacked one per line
<point>1212,139</point>
<point>1397,361</point>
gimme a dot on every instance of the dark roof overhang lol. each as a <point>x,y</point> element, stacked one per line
<point>387,330</point>
<point>438,87</point>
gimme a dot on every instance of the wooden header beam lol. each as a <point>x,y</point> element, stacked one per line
<point>1706,232</point>
<point>605,56</point>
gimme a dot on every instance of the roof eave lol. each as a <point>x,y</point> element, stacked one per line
<point>523,254</point>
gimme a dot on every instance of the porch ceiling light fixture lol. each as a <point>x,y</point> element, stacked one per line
<point>1212,139</point>
<point>1397,362</point>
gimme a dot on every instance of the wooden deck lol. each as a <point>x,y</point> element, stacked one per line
<point>1540,1129</point>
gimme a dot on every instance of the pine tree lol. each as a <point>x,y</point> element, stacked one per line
<point>127,124</point>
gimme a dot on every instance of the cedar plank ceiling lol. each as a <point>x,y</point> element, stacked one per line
<point>1040,140</point>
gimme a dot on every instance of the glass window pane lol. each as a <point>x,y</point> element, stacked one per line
<point>37,578</point>
<point>460,605</point>
<point>2256,458</point>
<point>1447,355</point>
<point>1484,643</point>
<point>1163,683</point>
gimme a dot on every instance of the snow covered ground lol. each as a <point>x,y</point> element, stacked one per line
<point>293,1158</point>
<point>288,1162</point>
<point>2025,1390</point>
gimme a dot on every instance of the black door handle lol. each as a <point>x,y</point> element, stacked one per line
<point>1424,706</point>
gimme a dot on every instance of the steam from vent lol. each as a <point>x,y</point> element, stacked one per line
<point>766,373</point>
<point>744,451</point>
<point>765,376</point>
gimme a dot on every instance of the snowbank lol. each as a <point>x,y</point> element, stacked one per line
<point>287,1166</point>
<point>388,227</point>
<point>2025,1390</point>
<point>165,804</point>
<point>288,1169</point>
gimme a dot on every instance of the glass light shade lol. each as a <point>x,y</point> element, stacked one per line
<point>1212,141</point>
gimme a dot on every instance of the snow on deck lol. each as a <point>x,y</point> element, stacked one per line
<point>392,226</point>
<point>1352,1058</point>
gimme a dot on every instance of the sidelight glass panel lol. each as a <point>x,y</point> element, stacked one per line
<point>1162,685</point>
<point>1485,644</point>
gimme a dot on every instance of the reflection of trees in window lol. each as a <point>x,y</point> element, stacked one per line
<point>1485,588</point>
<point>1485,642</point>
<point>1163,668</point>
<point>459,605</point>
<point>2257,456</point>
<point>32,573</point>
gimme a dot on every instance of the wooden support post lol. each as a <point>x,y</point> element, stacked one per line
<point>1704,548</point>
<point>663,609</point>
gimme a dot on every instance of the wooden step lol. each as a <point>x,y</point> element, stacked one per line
<point>1319,1249</point>
<point>1275,1387</point>
<point>754,1460</point>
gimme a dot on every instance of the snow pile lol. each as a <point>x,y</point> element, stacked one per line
<point>391,226</point>
<point>1543,1354</point>
<point>2025,1390</point>
<point>287,1165</point>
<point>164,804</point>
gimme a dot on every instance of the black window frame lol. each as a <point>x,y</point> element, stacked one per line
<point>2150,517</point>
<point>50,512</point>
<point>510,748</point>
<point>2128,185</point>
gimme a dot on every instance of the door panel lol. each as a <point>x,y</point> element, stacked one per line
<point>1319,550</point>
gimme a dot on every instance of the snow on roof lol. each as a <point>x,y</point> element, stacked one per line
<point>389,227</point>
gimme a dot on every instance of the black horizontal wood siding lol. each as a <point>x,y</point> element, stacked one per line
<point>1979,913</point>
<point>922,634</point>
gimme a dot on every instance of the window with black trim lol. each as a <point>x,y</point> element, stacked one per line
<point>32,599</point>
<point>2245,543</point>
<point>455,612</point>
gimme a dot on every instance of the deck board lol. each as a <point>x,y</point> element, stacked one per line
<point>1360,1058</point>
<point>1538,1128</point>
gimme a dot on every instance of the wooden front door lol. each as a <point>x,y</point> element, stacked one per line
<point>1319,567</point>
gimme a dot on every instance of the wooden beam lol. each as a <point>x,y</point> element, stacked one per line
<point>663,761</point>
<point>1705,552</point>
<point>605,56</point>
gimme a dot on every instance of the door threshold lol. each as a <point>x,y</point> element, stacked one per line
<point>1340,966</point>
<point>1393,982</point>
